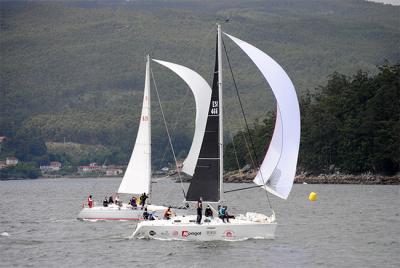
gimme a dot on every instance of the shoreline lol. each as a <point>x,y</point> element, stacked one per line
<point>238,177</point>
<point>367,179</point>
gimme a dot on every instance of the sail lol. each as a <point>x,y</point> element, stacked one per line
<point>202,94</point>
<point>137,177</point>
<point>206,179</point>
<point>280,171</point>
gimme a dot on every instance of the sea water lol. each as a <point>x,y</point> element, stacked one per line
<point>348,226</point>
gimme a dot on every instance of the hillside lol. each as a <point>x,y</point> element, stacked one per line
<point>75,70</point>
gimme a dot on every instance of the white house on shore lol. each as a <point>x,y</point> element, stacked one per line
<point>114,171</point>
<point>53,167</point>
<point>11,161</point>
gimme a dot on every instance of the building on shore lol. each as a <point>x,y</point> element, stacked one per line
<point>114,171</point>
<point>11,161</point>
<point>53,167</point>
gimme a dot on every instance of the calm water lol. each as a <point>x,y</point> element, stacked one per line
<point>349,226</point>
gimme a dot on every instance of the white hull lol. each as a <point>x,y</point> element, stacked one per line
<point>186,228</point>
<point>114,212</point>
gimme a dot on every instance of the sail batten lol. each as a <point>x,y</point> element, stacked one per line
<point>137,177</point>
<point>202,93</point>
<point>279,166</point>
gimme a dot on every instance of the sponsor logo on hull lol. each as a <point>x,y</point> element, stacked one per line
<point>229,233</point>
<point>187,233</point>
<point>175,233</point>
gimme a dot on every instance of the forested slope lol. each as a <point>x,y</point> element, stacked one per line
<point>75,70</point>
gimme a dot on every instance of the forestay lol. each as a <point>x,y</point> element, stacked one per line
<point>279,166</point>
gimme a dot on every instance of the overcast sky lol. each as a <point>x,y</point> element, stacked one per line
<point>393,2</point>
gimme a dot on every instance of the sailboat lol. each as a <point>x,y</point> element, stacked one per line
<point>137,178</point>
<point>276,174</point>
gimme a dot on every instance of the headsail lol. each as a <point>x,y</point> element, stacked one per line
<point>137,177</point>
<point>206,179</point>
<point>202,94</point>
<point>278,172</point>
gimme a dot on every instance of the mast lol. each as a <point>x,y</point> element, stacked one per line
<point>221,122</point>
<point>149,127</point>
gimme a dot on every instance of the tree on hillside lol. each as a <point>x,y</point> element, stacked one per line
<point>27,145</point>
<point>351,125</point>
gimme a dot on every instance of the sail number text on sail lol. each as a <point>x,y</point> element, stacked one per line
<point>214,108</point>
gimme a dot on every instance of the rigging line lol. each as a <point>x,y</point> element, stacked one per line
<point>245,120</point>
<point>253,162</point>
<point>245,188</point>
<point>233,143</point>
<point>175,124</point>
<point>234,147</point>
<point>169,137</point>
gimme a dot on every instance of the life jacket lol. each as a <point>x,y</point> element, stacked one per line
<point>90,202</point>
<point>221,212</point>
<point>167,213</point>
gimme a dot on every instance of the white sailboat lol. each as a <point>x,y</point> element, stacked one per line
<point>137,178</point>
<point>275,175</point>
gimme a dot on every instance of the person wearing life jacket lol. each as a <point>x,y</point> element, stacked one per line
<point>151,216</point>
<point>168,213</point>
<point>208,212</point>
<point>222,213</point>
<point>90,201</point>
<point>117,201</point>
<point>143,198</point>
<point>133,202</point>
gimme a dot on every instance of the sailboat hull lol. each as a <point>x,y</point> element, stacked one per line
<point>186,228</point>
<point>113,212</point>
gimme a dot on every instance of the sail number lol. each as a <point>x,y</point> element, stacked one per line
<point>214,108</point>
<point>145,118</point>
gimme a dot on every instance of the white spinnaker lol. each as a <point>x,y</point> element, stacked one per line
<point>202,94</point>
<point>278,176</point>
<point>137,177</point>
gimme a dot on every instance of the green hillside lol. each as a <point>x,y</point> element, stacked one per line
<point>75,70</point>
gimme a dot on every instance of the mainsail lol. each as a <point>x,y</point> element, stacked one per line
<point>137,177</point>
<point>278,169</point>
<point>205,183</point>
<point>202,94</point>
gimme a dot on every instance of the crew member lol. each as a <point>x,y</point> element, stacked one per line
<point>105,202</point>
<point>208,212</point>
<point>90,201</point>
<point>133,202</point>
<point>117,201</point>
<point>168,213</point>
<point>143,198</point>
<point>199,211</point>
<point>145,214</point>
<point>222,213</point>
